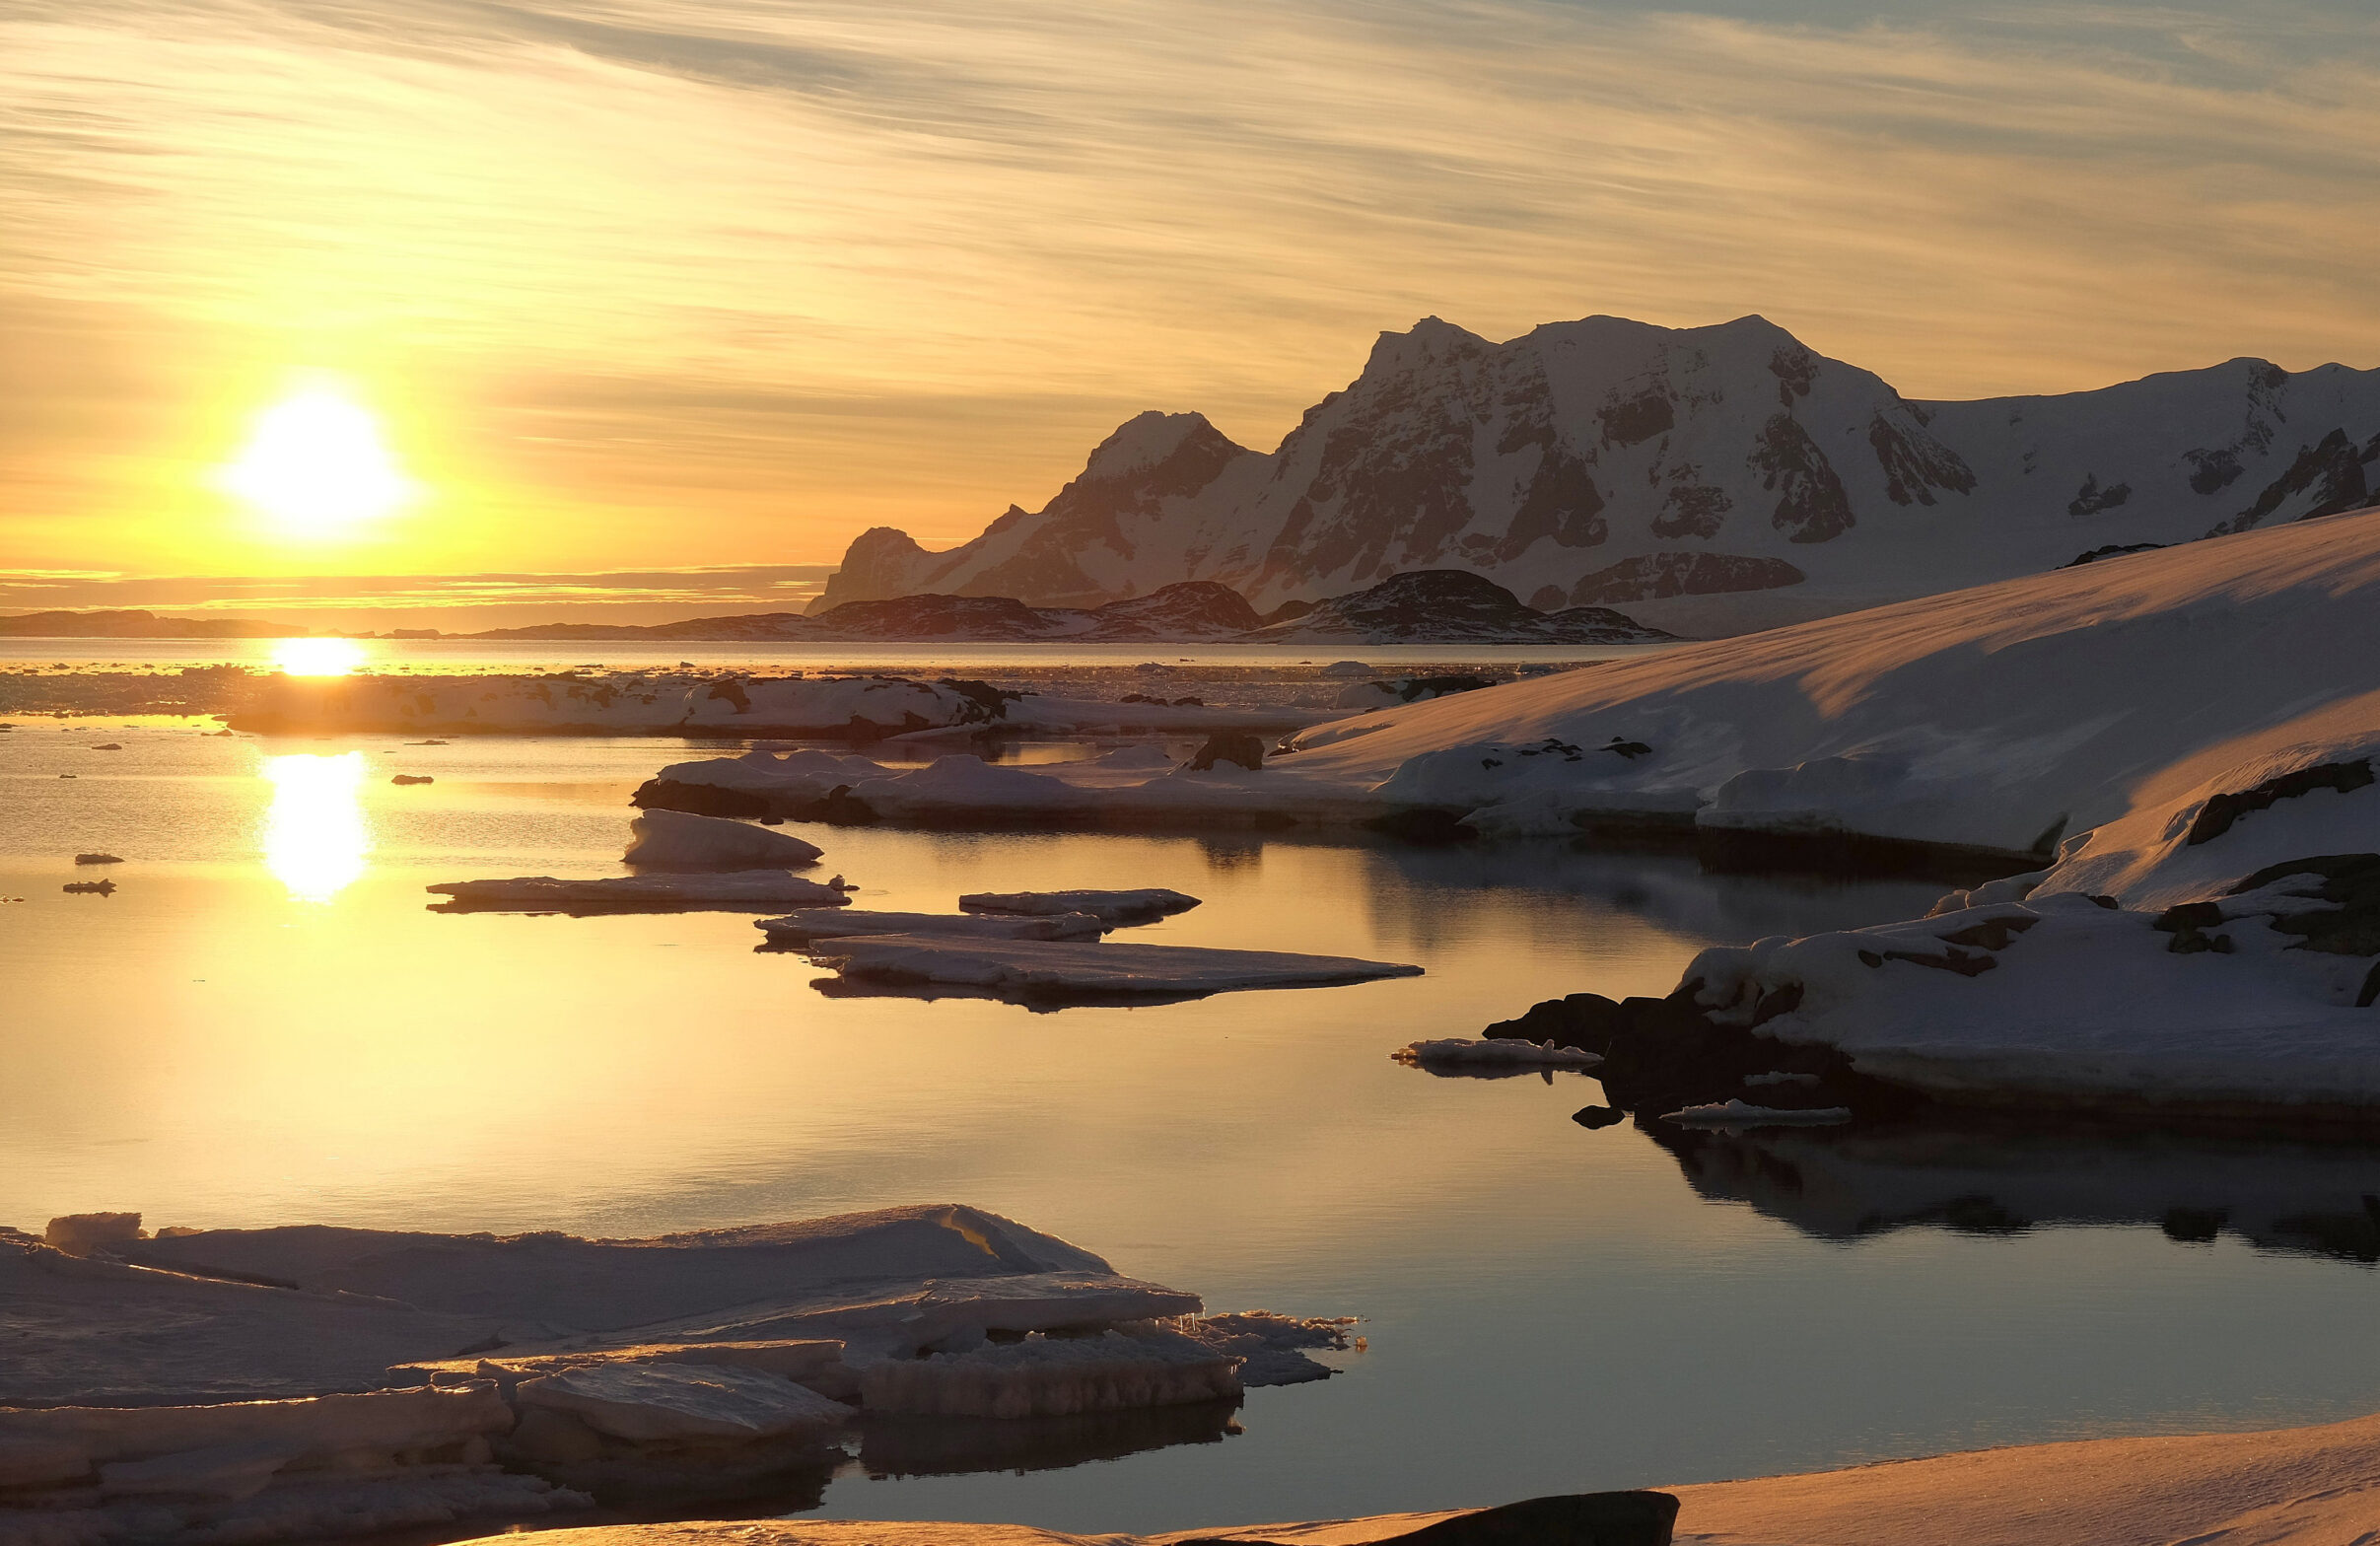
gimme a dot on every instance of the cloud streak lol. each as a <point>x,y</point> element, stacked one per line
<point>700,280</point>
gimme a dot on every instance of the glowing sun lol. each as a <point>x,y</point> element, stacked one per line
<point>315,462</point>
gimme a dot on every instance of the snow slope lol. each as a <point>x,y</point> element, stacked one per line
<point>1707,480</point>
<point>2002,718</point>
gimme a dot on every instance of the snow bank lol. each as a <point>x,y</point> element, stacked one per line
<point>1998,719</point>
<point>1110,907</point>
<point>1035,970</point>
<point>1500,1051</point>
<point>842,924</point>
<point>734,888</point>
<point>678,840</point>
<point>1052,1377</point>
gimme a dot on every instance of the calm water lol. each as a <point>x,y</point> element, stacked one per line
<point>265,1025</point>
<point>443,655</point>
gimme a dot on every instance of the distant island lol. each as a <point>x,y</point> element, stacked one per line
<point>1425,606</point>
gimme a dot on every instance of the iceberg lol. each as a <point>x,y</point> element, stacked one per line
<point>679,840</point>
<point>658,1402</point>
<point>1028,971</point>
<point>1044,1376</point>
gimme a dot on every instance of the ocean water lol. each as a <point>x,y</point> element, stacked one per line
<point>267,1024</point>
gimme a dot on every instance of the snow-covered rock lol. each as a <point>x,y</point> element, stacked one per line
<point>2068,999</point>
<point>824,923</point>
<point>1706,481</point>
<point>1032,970</point>
<point>1449,607</point>
<point>1115,908</point>
<point>679,840</point>
<point>658,1402</point>
<point>729,889</point>
<point>1493,1052</point>
<point>1053,1376</point>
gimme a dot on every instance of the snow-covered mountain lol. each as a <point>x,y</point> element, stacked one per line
<point>1708,479</point>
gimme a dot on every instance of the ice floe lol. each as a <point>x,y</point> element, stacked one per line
<point>731,891</point>
<point>679,840</point>
<point>651,1402</point>
<point>846,923</point>
<point>1045,1375</point>
<point>1741,1113</point>
<point>1112,907</point>
<point>1036,970</point>
<point>1494,1052</point>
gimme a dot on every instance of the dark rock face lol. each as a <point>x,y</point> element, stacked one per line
<point>1657,575</point>
<point>1229,746</point>
<point>1691,510</point>
<point>2215,817</point>
<point>2110,551</point>
<point>2351,927</point>
<point>2326,478</point>
<point>1914,463</point>
<point>1443,605</point>
<point>2091,499</point>
<point>1812,506</point>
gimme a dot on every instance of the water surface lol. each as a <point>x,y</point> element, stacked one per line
<point>265,1024</point>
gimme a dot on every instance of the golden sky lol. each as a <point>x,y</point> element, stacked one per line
<point>682,282</point>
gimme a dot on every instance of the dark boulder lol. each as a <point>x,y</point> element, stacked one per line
<point>1229,746</point>
<point>1585,1020</point>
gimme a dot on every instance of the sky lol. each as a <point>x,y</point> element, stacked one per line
<point>645,284</point>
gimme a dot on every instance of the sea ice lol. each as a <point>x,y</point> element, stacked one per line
<point>1115,908</point>
<point>1739,1113</point>
<point>1032,970</point>
<point>677,840</point>
<point>845,923</point>
<point>658,1402</point>
<point>1049,1376</point>
<point>729,889</point>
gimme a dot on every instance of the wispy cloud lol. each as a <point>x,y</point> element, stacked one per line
<point>693,280</point>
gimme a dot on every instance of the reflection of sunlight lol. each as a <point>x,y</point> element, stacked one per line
<point>319,657</point>
<point>314,836</point>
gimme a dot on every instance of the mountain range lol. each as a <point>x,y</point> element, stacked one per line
<point>1710,480</point>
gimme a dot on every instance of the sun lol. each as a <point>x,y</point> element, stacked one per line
<point>316,465</point>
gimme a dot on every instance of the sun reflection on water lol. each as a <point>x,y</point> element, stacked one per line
<point>319,657</point>
<point>315,839</point>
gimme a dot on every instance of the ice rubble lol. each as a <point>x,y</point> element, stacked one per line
<point>679,840</point>
<point>859,708</point>
<point>1030,969</point>
<point>1114,909</point>
<point>650,1403</point>
<point>842,924</point>
<point>1498,1051</point>
<point>730,890</point>
<point>1049,1376</point>
<point>601,1351</point>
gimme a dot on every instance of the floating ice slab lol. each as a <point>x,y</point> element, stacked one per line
<point>1112,907</point>
<point>1051,1376</point>
<point>678,840</point>
<point>658,1402</point>
<point>1494,1051</point>
<point>1037,970</point>
<point>730,890</point>
<point>846,923</point>
<point>1740,1113</point>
